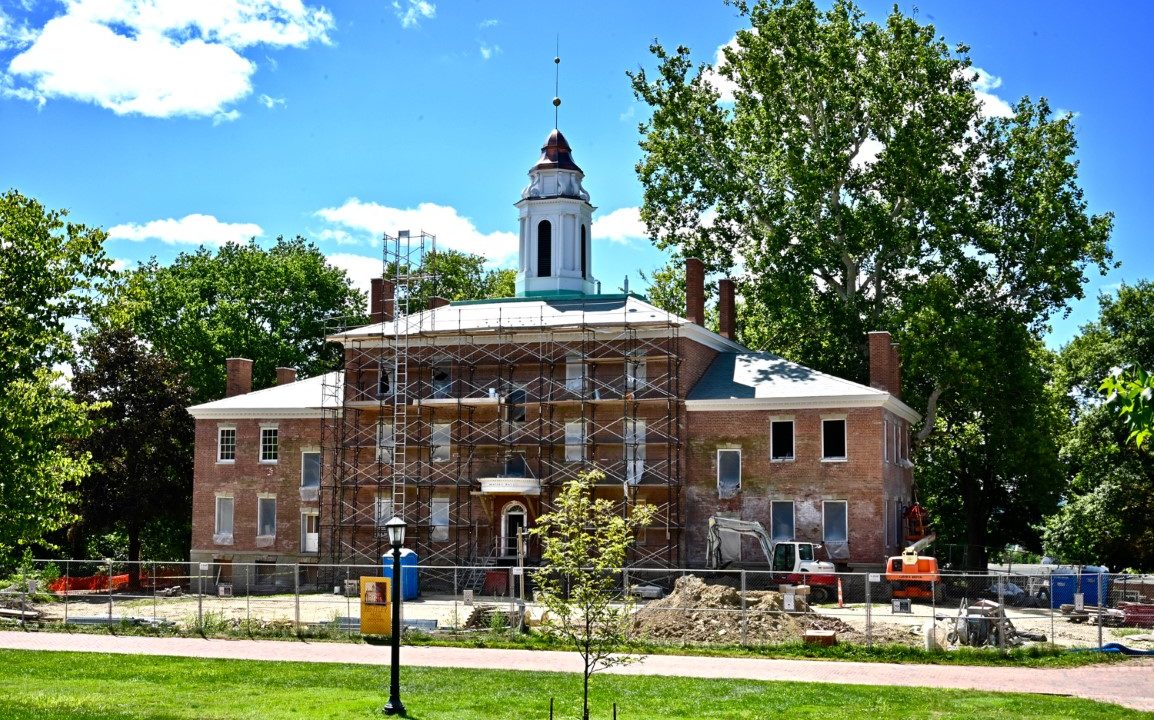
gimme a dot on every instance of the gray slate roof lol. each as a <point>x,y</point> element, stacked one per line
<point>760,375</point>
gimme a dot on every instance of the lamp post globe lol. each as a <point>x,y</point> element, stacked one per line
<point>396,532</point>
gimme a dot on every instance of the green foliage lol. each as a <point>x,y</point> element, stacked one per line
<point>455,275</point>
<point>1110,500</point>
<point>268,305</point>
<point>1132,392</point>
<point>584,542</point>
<point>854,183</point>
<point>142,445</point>
<point>50,273</point>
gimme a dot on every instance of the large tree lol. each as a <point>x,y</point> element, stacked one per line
<point>50,273</point>
<point>454,275</point>
<point>850,182</point>
<point>142,446</point>
<point>1110,500</point>
<point>270,305</point>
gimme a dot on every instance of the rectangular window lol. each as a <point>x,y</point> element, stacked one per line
<point>310,532</point>
<point>226,445</point>
<point>384,378</point>
<point>439,519</point>
<point>266,516</point>
<point>886,438</point>
<point>728,473</point>
<point>635,374</point>
<point>575,441</point>
<point>442,382</point>
<point>835,521</point>
<point>781,440</point>
<point>574,375</point>
<point>384,508</point>
<point>781,520</point>
<point>515,406</point>
<point>386,443</point>
<point>269,450</point>
<point>439,442</point>
<point>310,469</point>
<point>833,439</point>
<point>634,450</point>
<point>224,512</point>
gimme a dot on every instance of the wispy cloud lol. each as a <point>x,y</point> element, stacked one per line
<point>159,59</point>
<point>412,12</point>
<point>984,86</point>
<point>623,225</point>
<point>488,51</point>
<point>453,231</point>
<point>361,269</point>
<point>491,22</point>
<point>270,102</point>
<point>194,229</point>
<point>226,116</point>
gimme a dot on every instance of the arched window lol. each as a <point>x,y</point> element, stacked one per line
<point>544,249</point>
<point>584,254</point>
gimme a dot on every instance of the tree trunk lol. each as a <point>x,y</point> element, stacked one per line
<point>976,519</point>
<point>133,557</point>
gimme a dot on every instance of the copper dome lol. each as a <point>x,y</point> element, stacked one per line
<point>556,154</point>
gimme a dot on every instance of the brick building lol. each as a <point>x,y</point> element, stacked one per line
<point>465,418</point>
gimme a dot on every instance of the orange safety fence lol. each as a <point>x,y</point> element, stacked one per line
<point>92,582</point>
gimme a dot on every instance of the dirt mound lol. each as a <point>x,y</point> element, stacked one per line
<point>699,612</point>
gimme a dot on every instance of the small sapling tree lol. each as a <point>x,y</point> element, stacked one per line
<point>584,542</point>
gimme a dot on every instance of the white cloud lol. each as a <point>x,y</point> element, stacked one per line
<point>620,226</point>
<point>270,102</point>
<point>360,268</point>
<point>340,237</point>
<point>223,117</point>
<point>488,51</point>
<point>723,85</point>
<point>992,105</point>
<point>451,229</point>
<point>491,22</point>
<point>159,58</point>
<point>413,11</point>
<point>868,153</point>
<point>14,35</point>
<point>195,229</point>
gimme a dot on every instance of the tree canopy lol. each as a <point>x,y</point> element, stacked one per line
<point>455,275</point>
<point>269,305</point>
<point>51,272</point>
<point>843,172</point>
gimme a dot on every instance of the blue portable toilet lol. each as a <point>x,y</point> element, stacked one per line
<point>410,584</point>
<point>1063,586</point>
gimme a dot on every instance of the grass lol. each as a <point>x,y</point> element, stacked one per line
<point>89,686</point>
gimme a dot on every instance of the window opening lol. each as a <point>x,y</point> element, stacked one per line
<point>442,382</point>
<point>266,516</point>
<point>544,249</point>
<point>781,520</point>
<point>269,452</point>
<point>575,441</point>
<point>574,374</point>
<point>386,443</point>
<point>439,519</point>
<point>634,450</point>
<point>781,440</point>
<point>226,445</point>
<point>728,473</point>
<point>224,513</point>
<point>584,254</point>
<point>833,439</point>
<point>512,522</point>
<point>310,469</point>
<point>439,442</point>
<point>310,532</point>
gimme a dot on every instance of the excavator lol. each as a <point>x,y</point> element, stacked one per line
<point>792,562</point>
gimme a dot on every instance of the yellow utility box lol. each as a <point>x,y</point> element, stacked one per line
<point>376,606</point>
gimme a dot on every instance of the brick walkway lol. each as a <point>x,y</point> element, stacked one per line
<point>1130,685</point>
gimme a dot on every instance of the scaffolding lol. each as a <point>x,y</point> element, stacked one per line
<point>451,418</point>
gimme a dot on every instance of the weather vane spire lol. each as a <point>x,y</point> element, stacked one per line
<point>556,82</point>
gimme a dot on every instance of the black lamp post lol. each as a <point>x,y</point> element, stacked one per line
<point>396,531</point>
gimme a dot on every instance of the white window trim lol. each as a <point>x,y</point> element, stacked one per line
<point>218,537</point>
<point>886,440</point>
<point>792,521</point>
<point>310,512</point>
<point>739,467</point>
<point>391,446</point>
<point>793,432</point>
<point>509,508</point>
<point>266,496</point>
<point>434,535</point>
<point>580,445</point>
<point>576,382</point>
<point>448,445</point>
<point>845,434</point>
<point>311,451</point>
<point>219,430</point>
<point>823,534</point>
<point>260,444</point>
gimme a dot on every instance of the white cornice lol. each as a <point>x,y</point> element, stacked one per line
<point>258,413</point>
<point>825,402</point>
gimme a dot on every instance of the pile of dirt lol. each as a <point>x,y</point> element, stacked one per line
<point>699,612</point>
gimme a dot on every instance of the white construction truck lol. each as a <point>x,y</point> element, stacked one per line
<point>791,562</point>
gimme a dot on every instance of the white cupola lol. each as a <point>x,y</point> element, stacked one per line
<point>556,249</point>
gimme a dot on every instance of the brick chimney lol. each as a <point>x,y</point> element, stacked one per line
<point>726,310</point>
<point>238,376</point>
<point>437,301</point>
<point>885,366</point>
<point>381,300</point>
<point>286,375</point>
<point>695,291</point>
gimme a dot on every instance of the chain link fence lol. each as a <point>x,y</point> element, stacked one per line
<point>1063,607</point>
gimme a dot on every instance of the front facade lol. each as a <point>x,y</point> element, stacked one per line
<point>466,418</point>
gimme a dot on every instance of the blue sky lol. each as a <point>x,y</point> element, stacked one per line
<point>175,123</point>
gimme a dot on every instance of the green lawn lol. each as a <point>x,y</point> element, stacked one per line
<point>48,686</point>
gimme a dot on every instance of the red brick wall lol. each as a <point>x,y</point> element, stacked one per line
<point>806,480</point>
<point>245,479</point>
